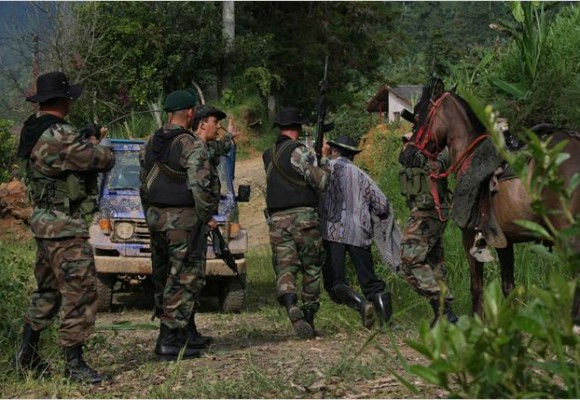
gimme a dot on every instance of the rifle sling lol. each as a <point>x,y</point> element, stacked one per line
<point>175,175</point>
<point>276,160</point>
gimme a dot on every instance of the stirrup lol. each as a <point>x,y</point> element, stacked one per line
<point>480,250</point>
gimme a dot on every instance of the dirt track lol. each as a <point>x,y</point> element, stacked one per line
<point>251,172</point>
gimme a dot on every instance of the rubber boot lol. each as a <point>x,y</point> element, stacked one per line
<point>309,315</point>
<point>302,328</point>
<point>447,311</point>
<point>27,357</point>
<point>171,342</point>
<point>346,295</point>
<point>194,338</point>
<point>76,369</point>
<point>383,307</point>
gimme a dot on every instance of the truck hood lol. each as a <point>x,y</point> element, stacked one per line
<point>124,204</point>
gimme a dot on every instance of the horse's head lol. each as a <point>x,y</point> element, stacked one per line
<point>423,137</point>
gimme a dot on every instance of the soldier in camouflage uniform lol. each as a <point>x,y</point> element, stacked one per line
<point>180,193</point>
<point>61,167</point>
<point>422,260</point>
<point>292,182</point>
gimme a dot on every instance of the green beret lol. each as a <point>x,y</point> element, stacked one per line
<point>179,100</point>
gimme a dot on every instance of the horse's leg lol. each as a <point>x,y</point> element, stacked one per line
<point>506,262</point>
<point>476,272</point>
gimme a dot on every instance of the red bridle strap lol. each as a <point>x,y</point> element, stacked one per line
<point>468,152</point>
<point>425,133</point>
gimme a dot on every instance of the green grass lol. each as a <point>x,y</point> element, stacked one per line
<point>332,377</point>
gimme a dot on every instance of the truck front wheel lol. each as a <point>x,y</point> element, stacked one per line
<point>105,284</point>
<point>233,295</point>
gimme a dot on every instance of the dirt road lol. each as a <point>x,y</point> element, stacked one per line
<point>251,172</point>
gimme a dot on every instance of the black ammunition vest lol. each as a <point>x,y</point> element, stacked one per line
<point>285,188</point>
<point>167,181</point>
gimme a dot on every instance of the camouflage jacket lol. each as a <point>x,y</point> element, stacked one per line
<point>202,180</point>
<point>303,160</point>
<point>60,151</point>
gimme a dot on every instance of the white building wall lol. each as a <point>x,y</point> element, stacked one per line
<point>396,105</point>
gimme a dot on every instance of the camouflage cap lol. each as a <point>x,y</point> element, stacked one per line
<point>179,100</point>
<point>204,111</point>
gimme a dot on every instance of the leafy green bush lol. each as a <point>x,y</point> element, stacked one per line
<point>534,78</point>
<point>16,262</point>
<point>519,351</point>
<point>8,144</point>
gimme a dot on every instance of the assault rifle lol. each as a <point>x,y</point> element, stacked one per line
<point>321,127</point>
<point>221,250</point>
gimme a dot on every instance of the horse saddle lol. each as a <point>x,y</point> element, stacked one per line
<point>486,222</point>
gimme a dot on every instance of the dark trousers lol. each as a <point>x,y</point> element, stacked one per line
<point>334,268</point>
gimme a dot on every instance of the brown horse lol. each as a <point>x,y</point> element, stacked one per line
<point>444,119</point>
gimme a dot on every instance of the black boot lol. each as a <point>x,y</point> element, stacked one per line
<point>346,295</point>
<point>383,307</point>
<point>171,342</point>
<point>157,313</point>
<point>447,311</point>
<point>76,369</point>
<point>194,338</point>
<point>309,315</point>
<point>302,328</point>
<point>27,357</point>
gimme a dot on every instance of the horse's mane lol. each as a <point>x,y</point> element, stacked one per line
<point>477,124</point>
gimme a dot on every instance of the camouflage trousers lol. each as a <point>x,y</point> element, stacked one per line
<point>296,244</point>
<point>66,281</point>
<point>422,260</point>
<point>177,280</point>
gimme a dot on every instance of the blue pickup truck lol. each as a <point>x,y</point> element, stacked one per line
<point>120,237</point>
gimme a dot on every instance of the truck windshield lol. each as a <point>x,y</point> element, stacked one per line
<point>125,173</point>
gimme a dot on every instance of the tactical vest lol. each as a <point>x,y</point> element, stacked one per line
<point>415,184</point>
<point>167,182</point>
<point>72,192</point>
<point>285,188</point>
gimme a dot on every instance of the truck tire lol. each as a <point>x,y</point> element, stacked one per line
<point>233,295</point>
<point>105,284</point>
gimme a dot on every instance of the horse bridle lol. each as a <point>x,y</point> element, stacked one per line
<point>425,132</point>
<point>423,138</point>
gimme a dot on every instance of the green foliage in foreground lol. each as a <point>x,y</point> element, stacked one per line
<point>519,351</point>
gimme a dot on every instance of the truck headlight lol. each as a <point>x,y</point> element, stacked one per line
<point>124,230</point>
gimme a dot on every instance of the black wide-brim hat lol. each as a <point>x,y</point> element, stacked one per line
<point>54,85</point>
<point>345,142</point>
<point>290,116</point>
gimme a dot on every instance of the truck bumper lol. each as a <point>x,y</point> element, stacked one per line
<point>142,266</point>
